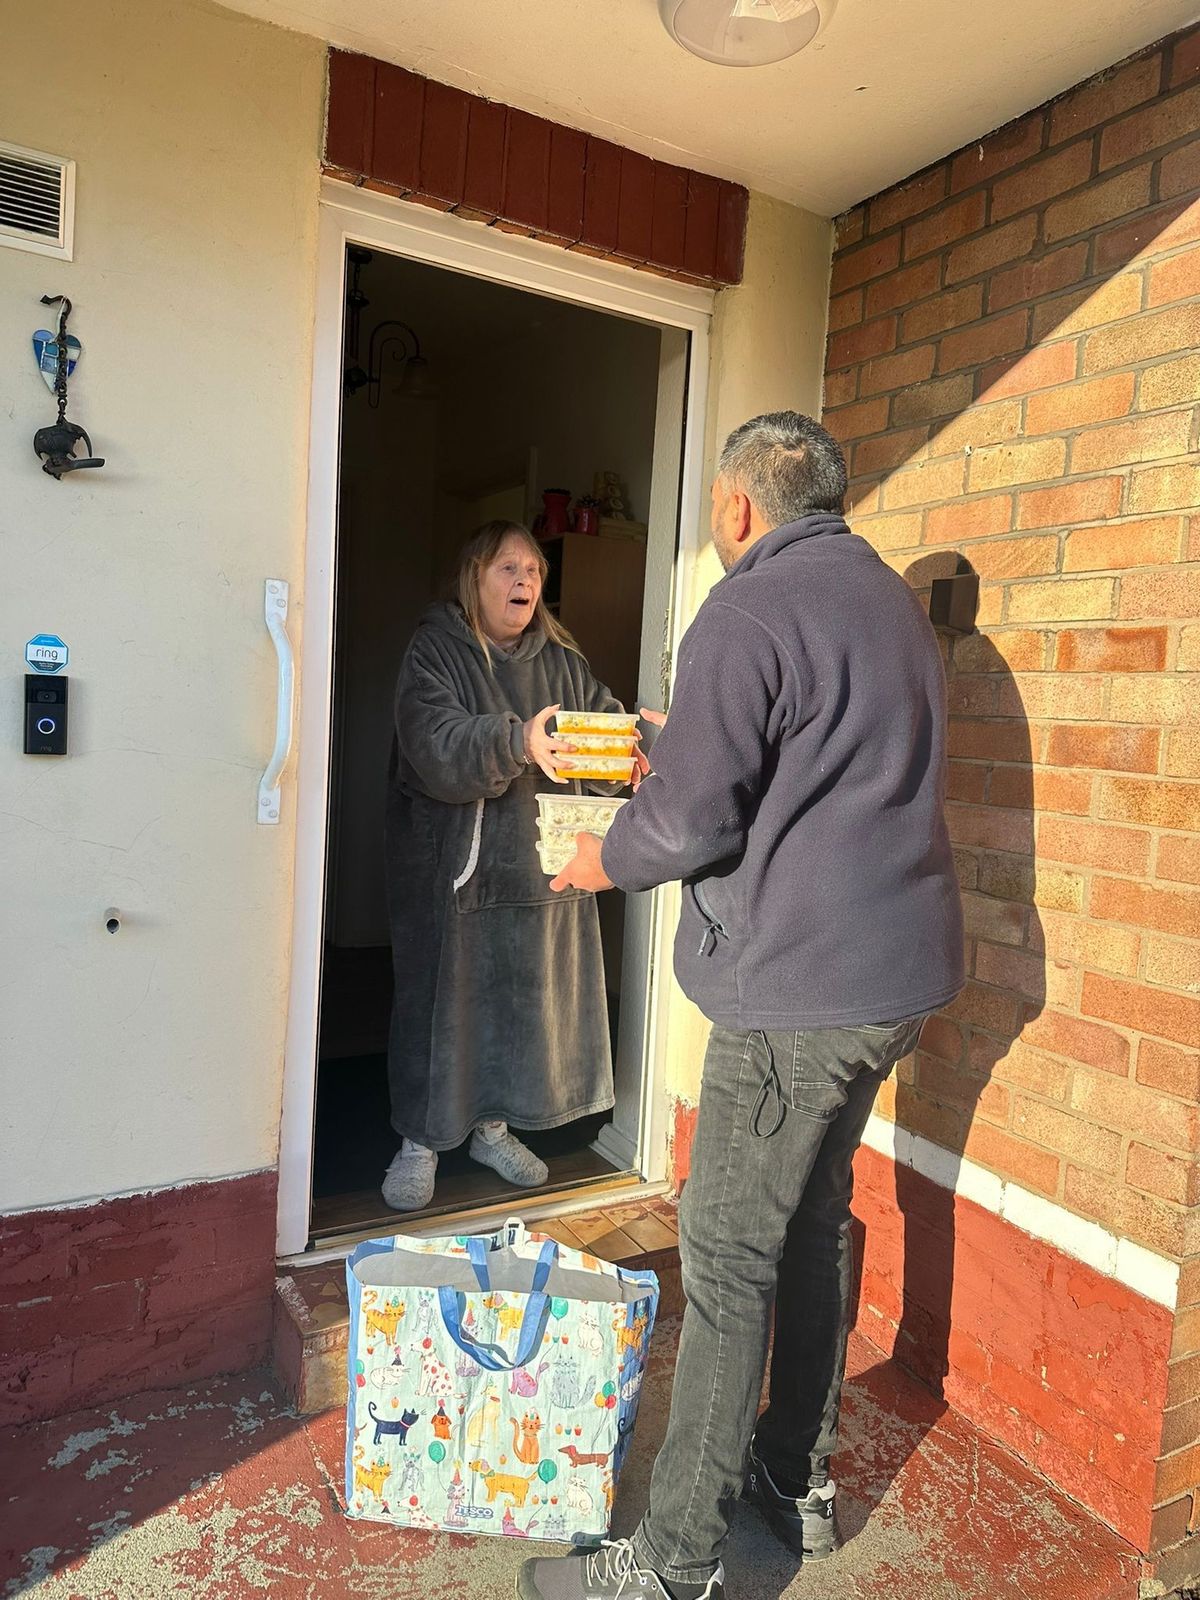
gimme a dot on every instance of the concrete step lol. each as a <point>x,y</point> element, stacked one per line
<point>311,1319</point>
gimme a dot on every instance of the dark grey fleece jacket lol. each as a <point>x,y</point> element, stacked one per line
<point>798,794</point>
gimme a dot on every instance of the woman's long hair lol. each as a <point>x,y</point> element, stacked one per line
<point>478,553</point>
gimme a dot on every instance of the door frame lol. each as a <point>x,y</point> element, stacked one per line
<point>350,215</point>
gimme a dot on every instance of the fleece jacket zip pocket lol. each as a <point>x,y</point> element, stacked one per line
<point>714,929</point>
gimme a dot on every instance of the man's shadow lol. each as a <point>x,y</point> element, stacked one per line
<point>949,1101</point>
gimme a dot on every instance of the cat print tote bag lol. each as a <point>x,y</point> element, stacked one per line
<point>494,1383</point>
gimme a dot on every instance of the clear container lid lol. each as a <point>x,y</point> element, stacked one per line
<point>603,744</point>
<point>568,722</point>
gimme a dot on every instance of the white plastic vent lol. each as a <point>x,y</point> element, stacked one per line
<point>37,201</point>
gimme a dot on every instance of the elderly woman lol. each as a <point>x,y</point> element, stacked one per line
<point>500,1017</point>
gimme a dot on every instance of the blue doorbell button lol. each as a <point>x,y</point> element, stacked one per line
<point>45,715</point>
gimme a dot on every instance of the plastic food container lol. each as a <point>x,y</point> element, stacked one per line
<point>600,769</point>
<point>561,817</point>
<point>603,744</point>
<point>616,723</point>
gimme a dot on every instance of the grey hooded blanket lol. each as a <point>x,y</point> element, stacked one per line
<point>499,1009</point>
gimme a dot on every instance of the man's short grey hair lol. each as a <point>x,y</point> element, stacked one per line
<point>787,465</point>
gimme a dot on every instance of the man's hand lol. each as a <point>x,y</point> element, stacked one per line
<point>584,870</point>
<point>642,768</point>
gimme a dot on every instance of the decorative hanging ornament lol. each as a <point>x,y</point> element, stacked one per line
<point>45,351</point>
<point>61,351</point>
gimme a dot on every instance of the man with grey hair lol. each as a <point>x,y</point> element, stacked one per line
<point>797,794</point>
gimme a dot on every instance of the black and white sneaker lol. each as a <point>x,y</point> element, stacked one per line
<point>808,1525</point>
<point>610,1573</point>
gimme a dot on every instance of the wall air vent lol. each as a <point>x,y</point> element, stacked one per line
<point>37,201</point>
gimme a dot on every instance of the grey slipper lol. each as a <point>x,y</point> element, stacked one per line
<point>408,1182</point>
<point>515,1162</point>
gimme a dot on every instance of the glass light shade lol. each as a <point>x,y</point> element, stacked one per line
<point>741,33</point>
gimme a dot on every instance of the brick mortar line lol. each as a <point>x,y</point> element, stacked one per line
<point>1048,148</point>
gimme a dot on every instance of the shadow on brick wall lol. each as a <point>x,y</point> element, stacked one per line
<point>956,1095</point>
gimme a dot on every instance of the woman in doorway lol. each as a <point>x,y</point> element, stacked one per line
<point>500,1017</point>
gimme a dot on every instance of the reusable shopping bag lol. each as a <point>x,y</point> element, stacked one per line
<point>494,1383</point>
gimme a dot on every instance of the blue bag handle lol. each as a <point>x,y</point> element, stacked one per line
<point>492,1356</point>
<point>478,1252</point>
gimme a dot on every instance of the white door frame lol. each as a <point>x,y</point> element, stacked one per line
<point>350,215</point>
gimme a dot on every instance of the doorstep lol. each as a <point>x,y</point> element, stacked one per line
<point>311,1329</point>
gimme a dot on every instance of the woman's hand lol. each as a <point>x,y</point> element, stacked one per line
<point>642,768</point>
<point>541,747</point>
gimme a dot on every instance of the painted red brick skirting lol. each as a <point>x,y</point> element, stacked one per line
<point>109,1299</point>
<point>396,131</point>
<point>1066,1367</point>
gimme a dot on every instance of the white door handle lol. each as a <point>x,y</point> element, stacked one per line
<point>276,609</point>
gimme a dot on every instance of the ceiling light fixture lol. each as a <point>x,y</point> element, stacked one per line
<point>741,33</point>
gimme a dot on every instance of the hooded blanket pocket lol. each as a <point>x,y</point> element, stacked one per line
<point>500,865</point>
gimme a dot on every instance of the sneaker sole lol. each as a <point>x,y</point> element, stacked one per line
<point>524,1588</point>
<point>819,1549</point>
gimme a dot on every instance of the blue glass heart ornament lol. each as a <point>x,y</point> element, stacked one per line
<point>45,353</point>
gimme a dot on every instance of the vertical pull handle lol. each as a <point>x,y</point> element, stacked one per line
<point>275,609</point>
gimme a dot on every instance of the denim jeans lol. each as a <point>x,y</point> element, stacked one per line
<point>765,1216</point>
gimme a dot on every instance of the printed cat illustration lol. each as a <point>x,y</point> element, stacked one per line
<point>498,1483</point>
<point>509,1317</point>
<point>579,1499</point>
<point>386,1322</point>
<point>399,1427</point>
<point>371,1478</point>
<point>525,1383</point>
<point>525,1438</point>
<point>391,1376</point>
<point>631,1338</point>
<point>588,1336</point>
<point>509,1526</point>
<point>566,1391</point>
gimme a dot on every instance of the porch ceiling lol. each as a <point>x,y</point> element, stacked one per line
<point>889,85</point>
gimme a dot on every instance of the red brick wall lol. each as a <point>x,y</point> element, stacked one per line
<point>109,1299</point>
<point>406,135</point>
<point>1012,370</point>
<point>1066,1367</point>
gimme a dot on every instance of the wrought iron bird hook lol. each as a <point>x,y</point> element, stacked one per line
<point>56,444</point>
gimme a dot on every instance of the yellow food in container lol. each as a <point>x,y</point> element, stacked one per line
<point>602,744</point>
<point>616,724</point>
<point>600,769</point>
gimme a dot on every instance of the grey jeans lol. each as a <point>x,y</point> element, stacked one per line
<point>765,1216</point>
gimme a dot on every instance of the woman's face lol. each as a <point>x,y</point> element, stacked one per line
<point>509,590</point>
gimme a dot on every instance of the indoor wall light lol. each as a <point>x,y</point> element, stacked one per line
<point>741,33</point>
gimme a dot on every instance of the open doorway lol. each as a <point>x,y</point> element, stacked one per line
<point>472,398</point>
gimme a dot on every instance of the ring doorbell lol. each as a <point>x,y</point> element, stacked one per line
<point>45,715</point>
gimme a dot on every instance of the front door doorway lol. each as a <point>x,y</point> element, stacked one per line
<point>471,393</point>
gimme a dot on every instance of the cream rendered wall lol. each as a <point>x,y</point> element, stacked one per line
<point>154,1055</point>
<point>767,354</point>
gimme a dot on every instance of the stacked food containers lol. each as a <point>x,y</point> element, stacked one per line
<point>604,744</point>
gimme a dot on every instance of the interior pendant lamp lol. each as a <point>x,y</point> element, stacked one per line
<point>741,33</point>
